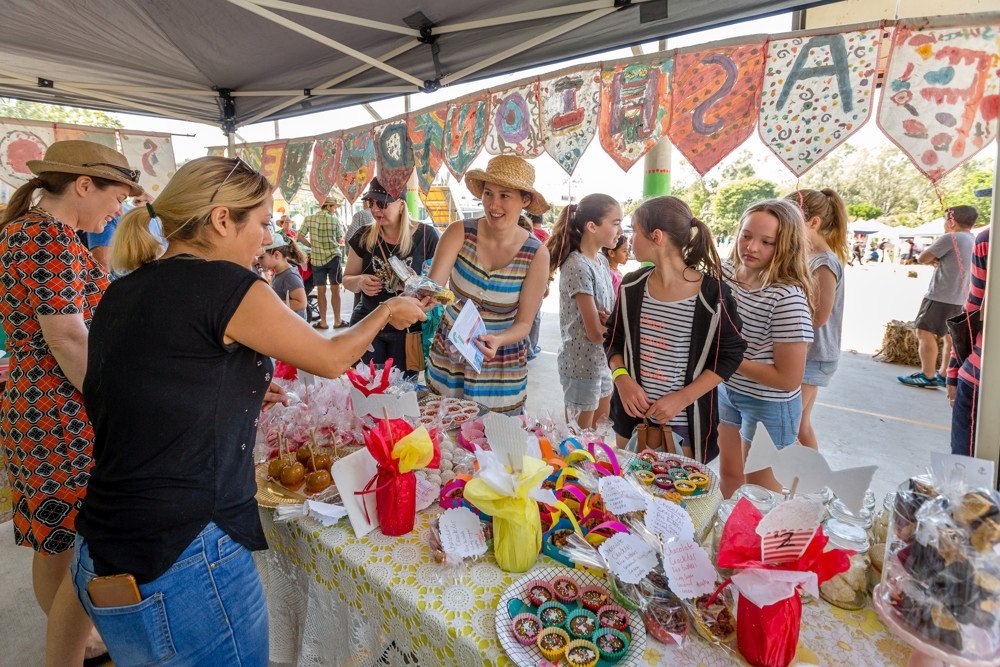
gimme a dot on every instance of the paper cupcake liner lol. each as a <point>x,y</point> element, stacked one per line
<point>537,602</point>
<point>550,610</point>
<point>551,648</point>
<point>582,653</point>
<point>606,623</point>
<point>529,638</point>
<point>586,614</point>
<point>611,656</point>
<point>561,595</point>
<point>594,606</point>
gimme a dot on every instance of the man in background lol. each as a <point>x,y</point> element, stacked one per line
<point>324,235</point>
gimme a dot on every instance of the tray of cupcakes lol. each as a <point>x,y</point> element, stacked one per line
<point>567,617</point>
<point>673,476</point>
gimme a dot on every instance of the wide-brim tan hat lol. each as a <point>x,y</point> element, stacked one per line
<point>88,159</point>
<point>508,171</point>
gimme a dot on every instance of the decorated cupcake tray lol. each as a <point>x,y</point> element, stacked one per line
<point>662,473</point>
<point>567,617</point>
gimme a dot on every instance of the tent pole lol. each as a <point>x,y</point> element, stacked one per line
<point>336,16</point>
<point>231,140</point>
<point>988,431</point>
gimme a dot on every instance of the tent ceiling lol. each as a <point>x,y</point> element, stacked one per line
<point>170,57</point>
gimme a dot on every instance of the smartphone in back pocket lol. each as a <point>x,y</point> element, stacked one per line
<point>119,590</point>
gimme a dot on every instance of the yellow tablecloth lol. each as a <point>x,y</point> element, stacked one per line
<point>337,600</point>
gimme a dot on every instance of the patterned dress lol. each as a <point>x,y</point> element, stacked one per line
<point>46,435</point>
<point>503,382</point>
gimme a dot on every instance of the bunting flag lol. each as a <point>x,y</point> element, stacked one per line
<point>516,122</point>
<point>325,161</point>
<point>252,154</point>
<point>571,106</point>
<point>817,92</point>
<point>714,101</point>
<point>20,142</point>
<point>293,167</point>
<point>272,157</point>
<point>153,156</point>
<point>635,109</point>
<point>217,151</point>
<point>98,135</point>
<point>941,94</point>
<point>426,132</point>
<point>357,163</point>
<point>394,156</point>
<point>465,133</point>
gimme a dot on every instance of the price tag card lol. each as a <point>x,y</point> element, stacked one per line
<point>619,496</point>
<point>953,468</point>
<point>427,492</point>
<point>461,533</point>
<point>788,529</point>
<point>668,520</point>
<point>688,569</point>
<point>628,557</point>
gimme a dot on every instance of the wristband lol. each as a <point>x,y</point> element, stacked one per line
<point>618,372</point>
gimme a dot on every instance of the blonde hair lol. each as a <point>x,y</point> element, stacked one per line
<point>827,205</point>
<point>184,208</point>
<point>789,265</point>
<point>406,229</point>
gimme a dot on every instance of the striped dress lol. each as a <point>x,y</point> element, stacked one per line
<point>502,385</point>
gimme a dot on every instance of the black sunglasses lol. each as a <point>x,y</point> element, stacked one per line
<point>382,205</point>
<point>236,165</point>
<point>130,174</point>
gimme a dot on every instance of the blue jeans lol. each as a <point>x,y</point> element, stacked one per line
<point>963,418</point>
<point>207,609</point>
<point>780,418</point>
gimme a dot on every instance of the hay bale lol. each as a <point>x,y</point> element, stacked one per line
<point>899,344</point>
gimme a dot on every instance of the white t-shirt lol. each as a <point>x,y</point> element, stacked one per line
<point>772,314</point>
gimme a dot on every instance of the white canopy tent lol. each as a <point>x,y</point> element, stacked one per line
<point>930,228</point>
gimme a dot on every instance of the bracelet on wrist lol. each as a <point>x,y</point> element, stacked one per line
<point>387,308</point>
<point>618,372</point>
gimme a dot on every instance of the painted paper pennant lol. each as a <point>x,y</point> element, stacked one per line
<point>252,154</point>
<point>571,105</point>
<point>941,94</point>
<point>714,101</point>
<point>817,92</point>
<point>635,109</point>
<point>516,122</point>
<point>272,157</point>
<point>325,164</point>
<point>426,132</point>
<point>95,134</point>
<point>293,167</point>
<point>394,156</point>
<point>217,151</point>
<point>465,133</point>
<point>357,163</point>
<point>153,156</point>
<point>20,142</point>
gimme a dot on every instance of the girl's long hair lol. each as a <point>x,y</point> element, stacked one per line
<point>829,207</point>
<point>568,230</point>
<point>688,234</point>
<point>291,252</point>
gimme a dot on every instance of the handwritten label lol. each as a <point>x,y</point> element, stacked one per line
<point>628,557</point>
<point>952,468</point>
<point>427,492</point>
<point>788,529</point>
<point>620,497</point>
<point>668,520</point>
<point>688,569</point>
<point>461,533</point>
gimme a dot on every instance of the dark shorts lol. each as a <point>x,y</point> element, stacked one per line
<point>329,273</point>
<point>933,316</point>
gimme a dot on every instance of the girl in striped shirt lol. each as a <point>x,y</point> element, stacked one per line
<point>770,277</point>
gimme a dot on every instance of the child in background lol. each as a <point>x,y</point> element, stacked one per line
<point>770,277</point>
<point>674,334</point>
<point>617,256</point>
<point>580,235</point>
<point>287,282</point>
<point>826,233</point>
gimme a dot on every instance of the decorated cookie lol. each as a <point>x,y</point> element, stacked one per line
<point>526,628</point>
<point>645,476</point>
<point>594,597</point>
<point>660,468</point>
<point>611,643</point>
<point>685,487</point>
<point>540,592</point>
<point>553,614</point>
<point>566,589</point>
<point>581,624</point>
<point>699,479</point>
<point>663,482</point>
<point>612,616</point>
<point>582,653</point>
<point>552,642</point>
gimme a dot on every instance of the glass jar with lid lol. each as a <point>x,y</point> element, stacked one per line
<point>763,499</point>
<point>848,590</point>
<point>721,517</point>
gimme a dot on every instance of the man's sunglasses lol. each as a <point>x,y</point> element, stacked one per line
<point>130,174</point>
<point>382,205</point>
<point>237,164</point>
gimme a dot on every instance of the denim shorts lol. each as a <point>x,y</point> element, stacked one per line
<point>819,373</point>
<point>780,418</point>
<point>207,609</point>
<point>328,273</point>
<point>585,394</point>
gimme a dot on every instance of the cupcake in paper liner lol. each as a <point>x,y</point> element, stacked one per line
<point>582,624</point>
<point>553,614</point>
<point>594,597</point>
<point>525,628</point>
<point>613,616</point>
<point>539,592</point>
<point>552,642</point>
<point>566,589</point>
<point>582,653</point>
<point>611,643</point>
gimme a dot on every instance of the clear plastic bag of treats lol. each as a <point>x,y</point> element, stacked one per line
<point>453,568</point>
<point>942,569</point>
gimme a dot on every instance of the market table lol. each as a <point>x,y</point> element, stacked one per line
<point>334,599</point>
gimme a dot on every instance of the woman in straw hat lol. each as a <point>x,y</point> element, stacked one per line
<point>49,288</point>
<point>503,269</point>
<point>171,499</point>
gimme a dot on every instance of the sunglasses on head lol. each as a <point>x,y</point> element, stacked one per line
<point>130,174</point>
<point>237,164</point>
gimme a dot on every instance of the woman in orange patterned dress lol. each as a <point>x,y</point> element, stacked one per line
<point>49,287</point>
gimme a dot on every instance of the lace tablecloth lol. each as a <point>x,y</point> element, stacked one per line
<point>337,600</point>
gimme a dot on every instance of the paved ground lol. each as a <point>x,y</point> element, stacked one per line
<point>865,417</point>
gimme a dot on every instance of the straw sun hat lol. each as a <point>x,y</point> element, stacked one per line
<point>508,171</point>
<point>88,159</point>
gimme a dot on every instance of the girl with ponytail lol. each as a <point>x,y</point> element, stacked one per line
<point>674,335</point>
<point>586,297</point>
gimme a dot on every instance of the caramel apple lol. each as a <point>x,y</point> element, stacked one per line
<point>319,462</point>
<point>303,453</point>
<point>275,466</point>
<point>318,481</point>
<point>292,475</point>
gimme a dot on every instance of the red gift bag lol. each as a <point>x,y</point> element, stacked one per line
<point>395,501</point>
<point>767,636</point>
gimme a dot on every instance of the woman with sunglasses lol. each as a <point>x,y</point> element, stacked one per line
<point>178,370</point>
<point>369,274</point>
<point>49,288</point>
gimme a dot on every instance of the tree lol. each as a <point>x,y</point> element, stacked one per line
<point>741,167</point>
<point>864,211</point>
<point>11,108</point>
<point>733,198</point>
<point>956,189</point>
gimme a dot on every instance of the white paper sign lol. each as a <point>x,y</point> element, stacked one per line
<point>953,467</point>
<point>507,438</point>
<point>628,557</point>
<point>351,473</point>
<point>619,496</point>
<point>427,492</point>
<point>668,520</point>
<point>461,533</point>
<point>378,405</point>
<point>467,328</point>
<point>688,569</point>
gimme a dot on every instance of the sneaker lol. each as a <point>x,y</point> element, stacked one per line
<point>537,351</point>
<point>918,380</point>
<point>940,380</point>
